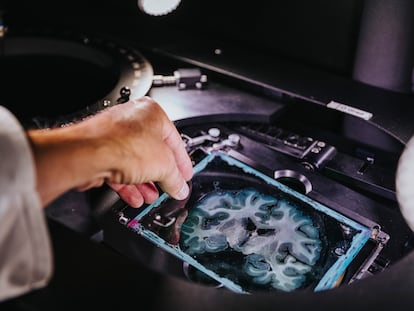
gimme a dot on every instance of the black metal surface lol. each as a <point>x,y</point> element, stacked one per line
<point>79,75</point>
<point>89,275</point>
<point>101,264</point>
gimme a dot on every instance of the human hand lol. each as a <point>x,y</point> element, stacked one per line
<point>129,146</point>
<point>160,149</point>
<point>136,195</point>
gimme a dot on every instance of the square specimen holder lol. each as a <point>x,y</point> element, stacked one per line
<point>248,232</point>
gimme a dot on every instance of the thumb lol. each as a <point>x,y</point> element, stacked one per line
<point>175,185</point>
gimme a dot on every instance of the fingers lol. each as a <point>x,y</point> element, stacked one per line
<point>173,167</point>
<point>149,191</point>
<point>136,195</point>
<point>128,193</point>
<point>175,183</point>
<point>183,161</point>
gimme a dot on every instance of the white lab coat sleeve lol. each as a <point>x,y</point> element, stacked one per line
<point>26,261</point>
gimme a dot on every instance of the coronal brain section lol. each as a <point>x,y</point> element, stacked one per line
<point>278,243</point>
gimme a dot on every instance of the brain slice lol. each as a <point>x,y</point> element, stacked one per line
<point>279,243</point>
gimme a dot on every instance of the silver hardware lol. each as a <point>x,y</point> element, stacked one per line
<point>122,219</point>
<point>157,221</point>
<point>213,135</point>
<point>233,140</point>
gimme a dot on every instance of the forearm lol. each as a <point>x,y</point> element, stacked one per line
<point>64,159</point>
<point>127,144</point>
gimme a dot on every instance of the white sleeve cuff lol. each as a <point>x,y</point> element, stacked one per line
<point>26,261</point>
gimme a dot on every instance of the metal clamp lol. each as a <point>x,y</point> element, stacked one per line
<point>190,142</point>
<point>122,219</point>
<point>233,140</point>
<point>157,220</point>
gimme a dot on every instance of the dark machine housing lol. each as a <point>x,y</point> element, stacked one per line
<point>294,113</point>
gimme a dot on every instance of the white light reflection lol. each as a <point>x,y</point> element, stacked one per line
<point>158,7</point>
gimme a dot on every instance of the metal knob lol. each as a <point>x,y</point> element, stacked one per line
<point>212,135</point>
<point>233,140</point>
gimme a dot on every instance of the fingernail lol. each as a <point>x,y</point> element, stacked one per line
<point>135,202</point>
<point>184,192</point>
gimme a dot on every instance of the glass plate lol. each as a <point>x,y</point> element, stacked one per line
<point>250,232</point>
